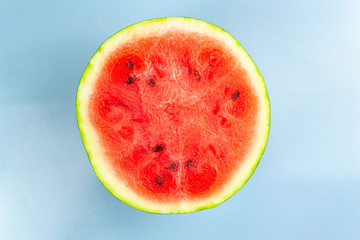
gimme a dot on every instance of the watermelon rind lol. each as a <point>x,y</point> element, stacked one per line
<point>100,163</point>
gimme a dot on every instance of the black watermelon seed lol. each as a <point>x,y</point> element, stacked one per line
<point>197,75</point>
<point>130,80</point>
<point>190,164</point>
<point>151,82</point>
<point>235,95</point>
<point>158,148</point>
<point>173,166</point>
<point>130,64</point>
<point>159,181</point>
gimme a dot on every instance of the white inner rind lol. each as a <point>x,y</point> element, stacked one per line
<point>97,156</point>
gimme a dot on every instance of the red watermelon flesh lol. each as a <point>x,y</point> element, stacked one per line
<point>174,115</point>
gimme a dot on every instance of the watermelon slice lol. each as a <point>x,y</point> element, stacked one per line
<point>174,115</point>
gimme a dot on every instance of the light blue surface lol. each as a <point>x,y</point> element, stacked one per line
<point>307,185</point>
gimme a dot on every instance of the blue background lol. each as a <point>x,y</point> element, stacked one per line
<point>307,185</point>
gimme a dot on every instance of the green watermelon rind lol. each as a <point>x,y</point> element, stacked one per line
<point>136,201</point>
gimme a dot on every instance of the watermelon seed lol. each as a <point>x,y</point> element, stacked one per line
<point>190,164</point>
<point>159,181</point>
<point>235,95</point>
<point>130,64</point>
<point>173,166</point>
<point>158,148</point>
<point>130,80</point>
<point>197,75</point>
<point>151,82</point>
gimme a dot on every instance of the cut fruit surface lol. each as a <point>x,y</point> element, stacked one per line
<point>174,115</point>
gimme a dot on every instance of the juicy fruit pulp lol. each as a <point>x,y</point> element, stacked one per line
<point>175,115</point>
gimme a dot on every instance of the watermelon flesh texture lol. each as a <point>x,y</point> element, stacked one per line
<point>176,115</point>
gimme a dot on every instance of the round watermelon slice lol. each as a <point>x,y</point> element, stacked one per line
<point>174,115</point>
